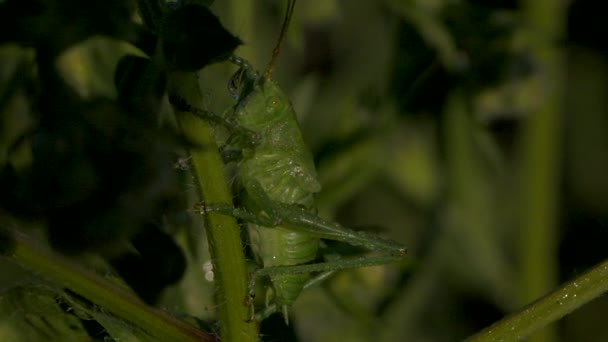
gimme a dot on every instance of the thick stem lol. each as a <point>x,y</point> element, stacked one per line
<point>223,233</point>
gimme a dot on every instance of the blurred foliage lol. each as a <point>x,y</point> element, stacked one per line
<point>414,112</point>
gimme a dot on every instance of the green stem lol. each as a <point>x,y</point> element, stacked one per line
<point>223,233</point>
<point>545,19</point>
<point>548,309</point>
<point>118,300</point>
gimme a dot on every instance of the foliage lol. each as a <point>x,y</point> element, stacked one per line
<point>445,125</point>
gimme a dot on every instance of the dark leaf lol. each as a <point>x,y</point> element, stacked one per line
<point>193,37</point>
<point>157,262</point>
<point>55,25</point>
<point>141,85</point>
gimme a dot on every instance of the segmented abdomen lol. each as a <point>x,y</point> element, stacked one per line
<point>284,179</point>
<point>281,247</point>
<point>282,165</point>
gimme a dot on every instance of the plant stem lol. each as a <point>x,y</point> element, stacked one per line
<point>223,233</point>
<point>548,309</point>
<point>540,142</point>
<point>118,300</point>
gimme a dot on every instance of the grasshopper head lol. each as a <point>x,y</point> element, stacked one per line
<point>261,104</point>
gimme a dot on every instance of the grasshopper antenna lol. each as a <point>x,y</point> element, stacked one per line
<point>291,4</point>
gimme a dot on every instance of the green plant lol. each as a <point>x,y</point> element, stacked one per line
<point>446,134</point>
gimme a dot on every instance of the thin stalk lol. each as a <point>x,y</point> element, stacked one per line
<point>546,310</point>
<point>223,233</point>
<point>545,20</point>
<point>117,300</point>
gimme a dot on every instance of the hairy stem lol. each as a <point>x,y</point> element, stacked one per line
<point>118,300</point>
<point>550,308</point>
<point>223,234</point>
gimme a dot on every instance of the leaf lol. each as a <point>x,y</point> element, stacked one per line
<point>33,314</point>
<point>28,22</point>
<point>194,37</point>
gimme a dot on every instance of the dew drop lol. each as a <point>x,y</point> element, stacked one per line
<point>208,271</point>
<point>272,104</point>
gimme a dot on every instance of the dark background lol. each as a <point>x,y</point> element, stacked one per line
<point>416,112</point>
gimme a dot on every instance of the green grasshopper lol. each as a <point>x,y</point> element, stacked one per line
<point>278,176</point>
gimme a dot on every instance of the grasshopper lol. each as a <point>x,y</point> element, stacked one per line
<point>278,177</point>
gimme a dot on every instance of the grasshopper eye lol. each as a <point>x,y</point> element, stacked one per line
<point>235,83</point>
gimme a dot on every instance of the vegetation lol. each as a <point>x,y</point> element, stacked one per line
<point>471,132</point>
